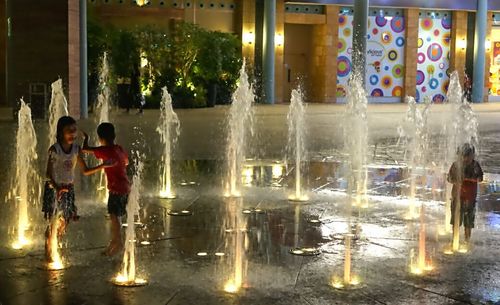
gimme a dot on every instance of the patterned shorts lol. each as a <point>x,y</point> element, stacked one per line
<point>64,205</point>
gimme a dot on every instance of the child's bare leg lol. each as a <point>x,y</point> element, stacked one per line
<point>468,232</point>
<point>48,249</point>
<point>115,245</point>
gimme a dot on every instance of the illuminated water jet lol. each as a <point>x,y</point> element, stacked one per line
<point>127,276</point>
<point>296,145</point>
<point>169,130</point>
<point>25,173</point>
<point>239,125</point>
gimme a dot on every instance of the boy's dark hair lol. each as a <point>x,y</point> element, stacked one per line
<point>467,150</point>
<point>106,131</point>
<point>63,121</point>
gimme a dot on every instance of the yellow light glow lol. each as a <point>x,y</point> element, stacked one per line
<point>141,2</point>
<point>355,281</point>
<point>248,37</point>
<point>337,283</point>
<point>231,287</point>
<point>279,39</point>
<point>167,194</point>
<point>487,44</point>
<point>21,242</point>
<point>277,171</point>
<point>462,43</point>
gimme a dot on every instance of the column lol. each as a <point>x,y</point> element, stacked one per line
<point>279,51</point>
<point>489,28</point>
<point>458,41</point>
<point>359,36</point>
<point>411,51</point>
<point>268,56</point>
<point>84,101</point>
<point>74,59</point>
<point>478,87</point>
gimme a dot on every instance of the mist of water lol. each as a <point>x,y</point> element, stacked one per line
<point>58,107</point>
<point>296,140</point>
<point>24,188</point>
<point>239,127</point>
<point>461,127</point>
<point>169,130</point>
<point>127,275</point>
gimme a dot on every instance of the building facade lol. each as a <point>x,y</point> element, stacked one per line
<point>412,46</point>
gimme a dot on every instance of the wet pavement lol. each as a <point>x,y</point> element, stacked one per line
<point>190,259</point>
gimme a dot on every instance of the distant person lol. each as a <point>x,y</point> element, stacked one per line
<point>59,193</point>
<point>118,182</point>
<point>142,103</point>
<point>465,187</point>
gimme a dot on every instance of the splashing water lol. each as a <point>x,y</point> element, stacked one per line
<point>237,222</point>
<point>58,107</point>
<point>102,111</point>
<point>415,135</point>
<point>56,260</point>
<point>25,172</point>
<point>127,276</point>
<point>169,130</point>
<point>356,139</point>
<point>103,98</point>
<point>461,127</point>
<point>296,145</point>
<point>240,123</point>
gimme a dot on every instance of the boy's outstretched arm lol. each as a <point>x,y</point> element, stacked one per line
<point>92,170</point>
<point>86,148</point>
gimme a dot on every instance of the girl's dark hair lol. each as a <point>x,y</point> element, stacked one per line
<point>63,121</point>
<point>106,131</point>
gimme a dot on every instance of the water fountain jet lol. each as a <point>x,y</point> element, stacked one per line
<point>296,145</point>
<point>239,124</point>
<point>127,276</point>
<point>169,130</point>
<point>25,171</point>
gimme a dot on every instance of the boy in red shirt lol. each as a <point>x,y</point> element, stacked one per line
<point>465,175</point>
<point>118,182</point>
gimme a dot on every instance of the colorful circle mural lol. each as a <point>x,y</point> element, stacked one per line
<point>341,45</point>
<point>430,70</point>
<point>342,20</point>
<point>420,58</point>
<point>446,23</point>
<point>377,92</point>
<point>397,24</point>
<point>343,66</point>
<point>386,82</point>
<point>426,24</point>
<point>444,86</point>
<point>433,83</point>
<point>380,21</point>
<point>420,42</point>
<point>434,52</point>
<point>436,32</point>
<point>392,55</point>
<point>400,41</point>
<point>397,91</point>
<point>420,77</point>
<point>373,80</point>
<point>386,37</point>
<point>347,32</point>
<point>341,92</point>
<point>375,31</point>
<point>438,98</point>
<point>446,39</point>
<point>397,71</point>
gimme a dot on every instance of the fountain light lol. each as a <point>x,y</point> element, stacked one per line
<point>231,287</point>
<point>220,254</point>
<point>277,170</point>
<point>307,251</point>
<point>21,242</point>
<point>145,243</point>
<point>202,253</point>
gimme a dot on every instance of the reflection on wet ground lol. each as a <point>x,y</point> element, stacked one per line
<point>237,250</point>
